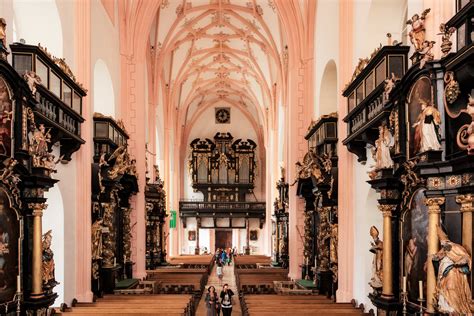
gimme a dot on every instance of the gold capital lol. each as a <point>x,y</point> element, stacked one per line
<point>466,201</point>
<point>434,204</point>
<point>386,209</point>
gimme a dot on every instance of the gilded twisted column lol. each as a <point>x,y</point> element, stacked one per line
<point>467,207</point>
<point>433,246</point>
<point>37,257</point>
<point>387,286</point>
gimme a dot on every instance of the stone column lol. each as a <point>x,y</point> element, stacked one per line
<point>433,247</point>
<point>247,237</point>
<point>37,257</point>
<point>198,225</point>
<point>387,289</point>
<point>467,207</point>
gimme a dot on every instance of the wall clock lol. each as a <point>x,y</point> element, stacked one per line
<point>222,115</point>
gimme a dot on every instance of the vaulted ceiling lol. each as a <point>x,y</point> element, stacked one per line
<point>217,52</point>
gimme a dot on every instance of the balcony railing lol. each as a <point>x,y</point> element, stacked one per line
<point>201,206</point>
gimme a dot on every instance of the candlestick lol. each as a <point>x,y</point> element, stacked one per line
<point>420,286</point>
<point>18,283</point>
<point>404,284</point>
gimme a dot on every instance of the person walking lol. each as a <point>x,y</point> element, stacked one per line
<point>226,300</point>
<point>223,257</point>
<point>212,302</point>
<point>220,272</point>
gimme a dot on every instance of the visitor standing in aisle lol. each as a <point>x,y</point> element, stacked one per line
<point>223,257</point>
<point>212,302</point>
<point>226,300</point>
<point>220,272</point>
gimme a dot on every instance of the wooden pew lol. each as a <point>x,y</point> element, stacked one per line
<point>263,305</point>
<point>136,305</point>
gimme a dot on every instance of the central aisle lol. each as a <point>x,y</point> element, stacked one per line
<point>229,278</point>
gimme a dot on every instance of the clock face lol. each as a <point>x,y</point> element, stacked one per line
<point>222,115</point>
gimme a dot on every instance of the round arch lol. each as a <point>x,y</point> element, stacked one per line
<point>328,93</point>
<point>103,93</point>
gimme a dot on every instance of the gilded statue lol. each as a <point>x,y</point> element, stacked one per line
<point>453,292</point>
<point>417,33</point>
<point>39,145</point>
<point>376,247</point>
<point>49,280</point>
<point>381,152</point>
<point>427,134</point>
<point>426,53</point>
<point>333,245</point>
<point>32,79</point>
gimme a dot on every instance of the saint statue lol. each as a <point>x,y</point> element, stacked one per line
<point>470,130</point>
<point>417,33</point>
<point>49,280</point>
<point>381,154</point>
<point>411,262</point>
<point>454,294</point>
<point>377,249</point>
<point>427,135</point>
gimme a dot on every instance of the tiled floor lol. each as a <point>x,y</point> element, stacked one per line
<point>229,278</point>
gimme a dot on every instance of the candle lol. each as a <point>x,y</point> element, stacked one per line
<point>404,284</point>
<point>420,285</point>
<point>18,283</point>
<point>124,258</point>
<point>315,264</point>
<point>307,261</point>
<point>115,261</point>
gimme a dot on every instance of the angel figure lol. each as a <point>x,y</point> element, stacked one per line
<point>426,54</point>
<point>381,154</point>
<point>417,33</point>
<point>427,135</point>
<point>377,263</point>
<point>389,85</point>
<point>454,294</point>
<point>32,79</point>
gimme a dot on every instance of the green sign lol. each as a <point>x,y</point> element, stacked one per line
<point>172,219</point>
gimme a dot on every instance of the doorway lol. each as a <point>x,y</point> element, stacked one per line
<point>223,239</point>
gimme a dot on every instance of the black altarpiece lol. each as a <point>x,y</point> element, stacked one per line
<point>114,181</point>
<point>418,122</point>
<point>155,198</point>
<point>317,184</point>
<point>35,115</point>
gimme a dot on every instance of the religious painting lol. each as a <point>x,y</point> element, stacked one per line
<point>9,236</point>
<point>423,118</point>
<point>192,235</point>
<point>253,235</point>
<point>6,115</point>
<point>414,244</point>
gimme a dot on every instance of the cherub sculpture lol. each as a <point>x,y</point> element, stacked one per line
<point>417,33</point>
<point>32,79</point>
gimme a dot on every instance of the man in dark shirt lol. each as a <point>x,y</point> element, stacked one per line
<point>226,300</point>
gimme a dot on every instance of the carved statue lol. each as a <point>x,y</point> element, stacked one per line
<point>425,53</point>
<point>3,39</point>
<point>446,34</point>
<point>32,79</point>
<point>389,85</point>
<point>96,229</point>
<point>48,262</point>
<point>377,249</point>
<point>122,163</point>
<point>108,252</point>
<point>381,153</point>
<point>334,241</point>
<point>470,130</point>
<point>427,135</point>
<point>417,33</point>
<point>454,294</point>
<point>38,145</point>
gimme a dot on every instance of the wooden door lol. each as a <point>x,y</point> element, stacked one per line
<point>223,239</point>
